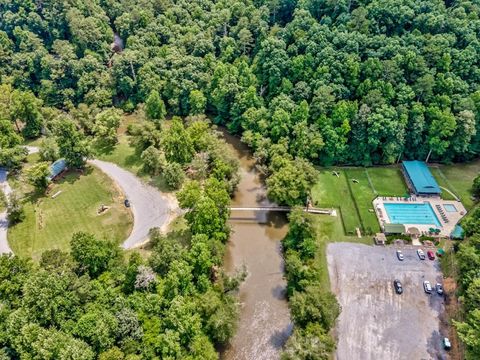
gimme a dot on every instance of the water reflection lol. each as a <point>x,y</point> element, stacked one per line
<point>264,322</point>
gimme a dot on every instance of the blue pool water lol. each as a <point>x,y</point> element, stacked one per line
<point>450,207</point>
<point>423,214</point>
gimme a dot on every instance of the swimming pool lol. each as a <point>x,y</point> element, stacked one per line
<point>423,214</point>
<point>450,207</point>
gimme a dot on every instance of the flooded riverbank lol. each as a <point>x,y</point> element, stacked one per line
<point>264,322</point>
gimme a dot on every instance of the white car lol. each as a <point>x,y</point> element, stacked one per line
<point>421,254</point>
<point>400,255</point>
<point>427,287</point>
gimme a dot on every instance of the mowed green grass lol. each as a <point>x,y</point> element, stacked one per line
<point>363,195</point>
<point>329,229</point>
<point>333,191</point>
<point>387,181</point>
<point>50,223</point>
<point>348,196</point>
<point>458,178</point>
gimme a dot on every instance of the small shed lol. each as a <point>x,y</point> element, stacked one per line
<point>394,229</point>
<point>57,168</point>
<point>380,239</point>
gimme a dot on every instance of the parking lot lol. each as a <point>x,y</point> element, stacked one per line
<point>375,322</point>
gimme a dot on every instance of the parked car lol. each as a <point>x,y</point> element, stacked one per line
<point>400,255</point>
<point>127,203</point>
<point>439,288</point>
<point>427,287</point>
<point>446,344</point>
<point>398,286</point>
<point>431,255</point>
<point>421,254</point>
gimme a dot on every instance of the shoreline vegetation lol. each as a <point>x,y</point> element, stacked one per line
<point>306,84</point>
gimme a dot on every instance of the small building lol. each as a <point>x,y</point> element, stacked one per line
<point>391,229</point>
<point>380,239</point>
<point>419,178</point>
<point>57,168</point>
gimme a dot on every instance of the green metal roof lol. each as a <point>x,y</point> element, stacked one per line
<point>421,177</point>
<point>394,228</point>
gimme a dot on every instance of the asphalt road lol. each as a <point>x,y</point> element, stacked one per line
<point>375,322</point>
<point>150,207</point>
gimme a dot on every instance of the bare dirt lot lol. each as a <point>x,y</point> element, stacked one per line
<point>375,322</point>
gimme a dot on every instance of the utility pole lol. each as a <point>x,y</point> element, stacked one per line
<point>428,156</point>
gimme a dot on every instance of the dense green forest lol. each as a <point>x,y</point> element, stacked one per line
<point>356,82</point>
<point>303,82</point>
<point>467,257</point>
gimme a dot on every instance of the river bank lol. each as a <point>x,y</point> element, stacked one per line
<point>264,323</point>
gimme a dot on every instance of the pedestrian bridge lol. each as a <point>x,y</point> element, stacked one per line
<point>311,210</point>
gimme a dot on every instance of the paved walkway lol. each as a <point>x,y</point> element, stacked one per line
<point>150,207</point>
<point>4,248</point>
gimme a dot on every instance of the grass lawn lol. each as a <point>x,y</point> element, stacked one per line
<point>348,196</point>
<point>50,223</point>
<point>330,229</point>
<point>363,195</point>
<point>387,181</point>
<point>333,191</point>
<point>457,178</point>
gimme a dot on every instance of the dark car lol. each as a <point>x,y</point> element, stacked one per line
<point>398,286</point>
<point>439,288</point>
<point>431,255</point>
<point>421,254</point>
<point>127,203</point>
<point>400,255</point>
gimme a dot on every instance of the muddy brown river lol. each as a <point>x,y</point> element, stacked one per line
<point>264,324</point>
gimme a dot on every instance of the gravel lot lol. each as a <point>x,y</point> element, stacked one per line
<point>375,322</point>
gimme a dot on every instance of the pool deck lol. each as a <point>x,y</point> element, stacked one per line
<point>438,208</point>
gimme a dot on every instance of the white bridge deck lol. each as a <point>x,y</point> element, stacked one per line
<point>331,212</point>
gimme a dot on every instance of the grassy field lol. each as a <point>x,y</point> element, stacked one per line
<point>333,191</point>
<point>354,199</point>
<point>457,178</point>
<point>50,223</point>
<point>387,181</point>
<point>363,195</point>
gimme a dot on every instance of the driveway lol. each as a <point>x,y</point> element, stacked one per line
<point>375,322</point>
<point>4,248</point>
<point>150,207</point>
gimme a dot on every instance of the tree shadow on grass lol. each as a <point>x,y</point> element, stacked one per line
<point>101,147</point>
<point>71,176</point>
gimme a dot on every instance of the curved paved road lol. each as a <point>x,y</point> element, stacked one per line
<point>150,207</point>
